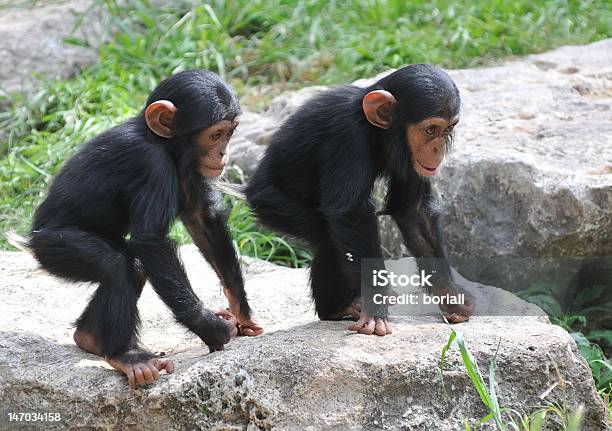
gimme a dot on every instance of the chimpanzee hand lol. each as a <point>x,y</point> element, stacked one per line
<point>455,313</point>
<point>220,328</point>
<point>369,325</point>
<point>230,319</point>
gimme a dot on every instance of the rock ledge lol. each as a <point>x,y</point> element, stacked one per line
<point>301,375</point>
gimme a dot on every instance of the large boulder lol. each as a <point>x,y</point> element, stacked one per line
<point>531,172</point>
<point>302,374</point>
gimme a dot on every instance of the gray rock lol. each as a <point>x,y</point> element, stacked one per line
<point>33,44</point>
<point>250,140</point>
<point>249,143</point>
<point>284,105</point>
<point>531,172</point>
<point>301,374</point>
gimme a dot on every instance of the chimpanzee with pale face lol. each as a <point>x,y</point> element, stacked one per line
<point>108,212</point>
<point>316,178</point>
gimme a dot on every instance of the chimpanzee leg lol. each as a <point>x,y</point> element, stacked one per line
<point>279,212</point>
<point>111,317</point>
<point>331,291</point>
<point>333,297</point>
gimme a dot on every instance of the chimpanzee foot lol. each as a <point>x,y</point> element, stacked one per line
<point>353,310</point>
<point>369,325</point>
<point>245,326</point>
<point>140,366</point>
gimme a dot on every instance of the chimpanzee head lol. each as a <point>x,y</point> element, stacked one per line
<point>419,106</point>
<point>200,106</point>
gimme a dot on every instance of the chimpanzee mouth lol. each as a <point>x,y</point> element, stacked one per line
<point>428,169</point>
<point>210,168</point>
<point>211,172</point>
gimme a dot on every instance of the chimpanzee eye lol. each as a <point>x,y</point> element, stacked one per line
<point>215,136</point>
<point>430,130</point>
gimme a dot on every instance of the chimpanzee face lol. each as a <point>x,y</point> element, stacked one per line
<point>213,145</point>
<point>428,140</point>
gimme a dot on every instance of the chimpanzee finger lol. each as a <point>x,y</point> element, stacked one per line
<point>164,364</point>
<point>365,325</point>
<point>388,327</point>
<point>460,318</point>
<point>227,315</point>
<point>379,327</point>
<point>147,374</point>
<point>368,328</point>
<point>248,331</point>
<point>153,367</point>
<point>140,380</point>
<point>356,326</point>
<point>234,330</point>
<point>255,326</point>
<point>456,318</point>
<point>131,377</point>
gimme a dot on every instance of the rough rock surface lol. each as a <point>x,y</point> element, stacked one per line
<point>531,173</point>
<point>33,42</point>
<point>301,374</point>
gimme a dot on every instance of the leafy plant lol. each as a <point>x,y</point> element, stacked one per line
<point>600,366</point>
<point>506,419</point>
<point>575,318</point>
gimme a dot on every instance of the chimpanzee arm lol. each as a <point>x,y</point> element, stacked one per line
<point>207,224</point>
<point>413,209</point>
<point>152,209</point>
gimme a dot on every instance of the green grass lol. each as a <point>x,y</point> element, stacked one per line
<point>262,48</point>
<point>253,240</point>
<point>573,319</point>
<point>507,419</point>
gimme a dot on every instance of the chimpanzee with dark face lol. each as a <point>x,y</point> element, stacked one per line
<point>316,178</point>
<point>135,179</point>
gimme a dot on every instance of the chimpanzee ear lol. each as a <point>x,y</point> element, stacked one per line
<point>159,116</point>
<point>377,107</point>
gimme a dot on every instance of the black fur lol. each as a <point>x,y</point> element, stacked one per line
<point>316,179</point>
<point>130,181</point>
